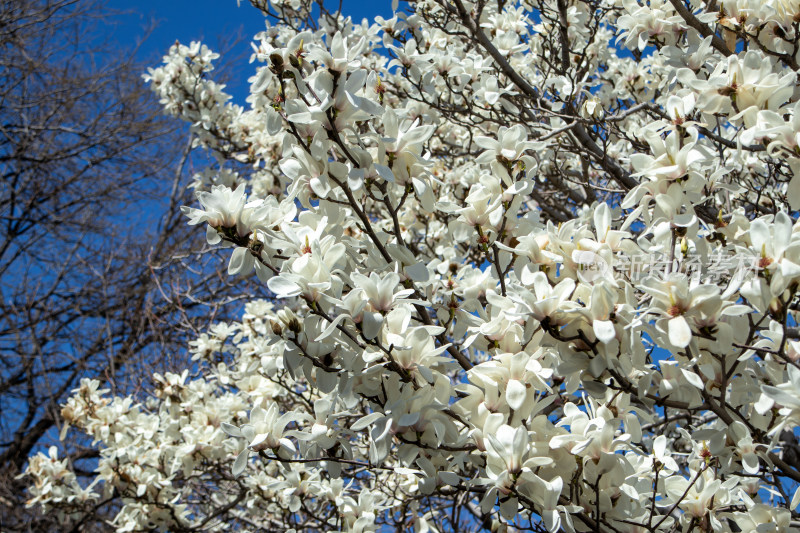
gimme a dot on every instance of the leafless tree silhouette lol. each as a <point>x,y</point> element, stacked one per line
<point>89,284</point>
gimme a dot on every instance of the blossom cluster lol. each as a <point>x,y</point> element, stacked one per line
<point>422,196</point>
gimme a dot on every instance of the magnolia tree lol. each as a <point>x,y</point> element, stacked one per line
<point>535,266</point>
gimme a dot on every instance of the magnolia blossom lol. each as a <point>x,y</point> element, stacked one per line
<point>511,278</point>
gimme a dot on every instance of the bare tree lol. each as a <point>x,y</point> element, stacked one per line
<point>87,287</point>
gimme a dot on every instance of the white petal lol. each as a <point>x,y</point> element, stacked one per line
<point>274,121</point>
<point>604,330</point>
<point>759,234</point>
<point>418,272</point>
<point>212,235</point>
<point>602,220</point>
<point>660,446</point>
<point>750,463</point>
<point>238,262</point>
<point>230,429</point>
<point>782,228</point>
<point>763,404</point>
<point>693,378</point>
<point>385,172</point>
<point>371,324</point>
<point>486,142</point>
<point>508,508</point>
<point>793,192</point>
<point>261,437</point>
<point>417,135</point>
<point>330,329</point>
<point>680,334</point>
<point>282,287</point>
<point>516,392</point>
<point>292,168</point>
<point>552,520</point>
<point>337,47</point>
<point>365,421</point>
<point>240,463</point>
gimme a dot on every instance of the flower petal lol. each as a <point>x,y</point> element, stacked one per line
<point>680,334</point>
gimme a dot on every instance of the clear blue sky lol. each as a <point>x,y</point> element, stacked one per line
<point>211,21</point>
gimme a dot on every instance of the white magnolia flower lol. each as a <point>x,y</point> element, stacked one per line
<point>685,304</point>
<point>310,274</point>
<point>381,298</point>
<point>223,209</point>
<point>448,234</point>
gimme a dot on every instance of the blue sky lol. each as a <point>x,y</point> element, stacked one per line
<point>211,21</point>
